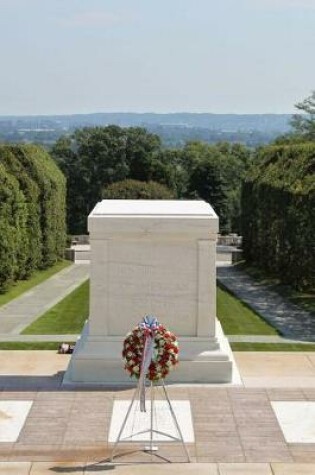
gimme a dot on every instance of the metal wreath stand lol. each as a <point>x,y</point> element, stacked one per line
<point>139,393</point>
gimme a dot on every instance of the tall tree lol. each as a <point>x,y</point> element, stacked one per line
<point>142,151</point>
<point>215,175</point>
<point>304,124</point>
<point>94,158</point>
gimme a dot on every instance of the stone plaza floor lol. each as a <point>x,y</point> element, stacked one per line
<point>251,429</point>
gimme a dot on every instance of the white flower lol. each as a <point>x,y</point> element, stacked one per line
<point>136,369</point>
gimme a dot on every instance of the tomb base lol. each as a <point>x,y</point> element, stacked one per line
<point>98,360</point>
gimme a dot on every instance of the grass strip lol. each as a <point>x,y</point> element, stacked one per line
<point>67,317</point>
<point>53,345</point>
<point>240,346</point>
<point>237,318</point>
<point>21,286</point>
<point>36,345</point>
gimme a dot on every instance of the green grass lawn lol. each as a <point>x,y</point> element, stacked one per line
<point>237,318</point>
<point>67,317</point>
<point>37,277</point>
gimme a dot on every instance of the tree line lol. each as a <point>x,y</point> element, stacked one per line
<point>32,212</point>
<point>94,159</point>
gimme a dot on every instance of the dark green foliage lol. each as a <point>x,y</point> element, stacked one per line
<point>90,159</point>
<point>278,213</point>
<point>142,154</point>
<point>95,158</point>
<point>137,190</point>
<point>32,214</point>
<point>209,183</point>
<point>52,185</point>
<point>13,232</point>
<point>215,175</point>
<point>77,185</point>
<point>31,193</point>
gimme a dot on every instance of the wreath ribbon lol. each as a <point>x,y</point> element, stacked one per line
<point>150,324</point>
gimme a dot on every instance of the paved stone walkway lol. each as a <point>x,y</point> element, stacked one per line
<point>20,312</point>
<point>77,468</point>
<point>236,430</point>
<point>231,425</point>
<point>290,320</point>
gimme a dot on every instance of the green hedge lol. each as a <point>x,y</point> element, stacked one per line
<point>33,193</point>
<point>52,189</point>
<point>137,190</point>
<point>13,231</point>
<point>278,213</point>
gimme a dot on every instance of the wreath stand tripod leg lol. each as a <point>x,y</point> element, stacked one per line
<point>124,423</point>
<point>181,438</point>
<point>151,448</point>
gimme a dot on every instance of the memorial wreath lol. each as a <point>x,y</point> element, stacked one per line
<point>150,350</point>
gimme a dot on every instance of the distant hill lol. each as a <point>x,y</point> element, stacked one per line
<point>174,129</point>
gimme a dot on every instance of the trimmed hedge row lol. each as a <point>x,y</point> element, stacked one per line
<point>278,213</point>
<point>32,212</point>
<point>137,190</point>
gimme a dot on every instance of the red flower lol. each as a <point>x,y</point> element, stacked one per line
<point>134,344</point>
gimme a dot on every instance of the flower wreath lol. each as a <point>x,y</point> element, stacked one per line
<point>164,350</point>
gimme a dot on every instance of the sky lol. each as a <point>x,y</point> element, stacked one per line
<point>219,56</point>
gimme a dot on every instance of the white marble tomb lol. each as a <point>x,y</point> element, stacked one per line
<point>152,257</point>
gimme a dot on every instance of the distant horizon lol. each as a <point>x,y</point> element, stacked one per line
<point>147,113</point>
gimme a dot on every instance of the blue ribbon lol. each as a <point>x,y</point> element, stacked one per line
<point>149,325</point>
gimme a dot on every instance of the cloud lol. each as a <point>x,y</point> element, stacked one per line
<point>93,19</point>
